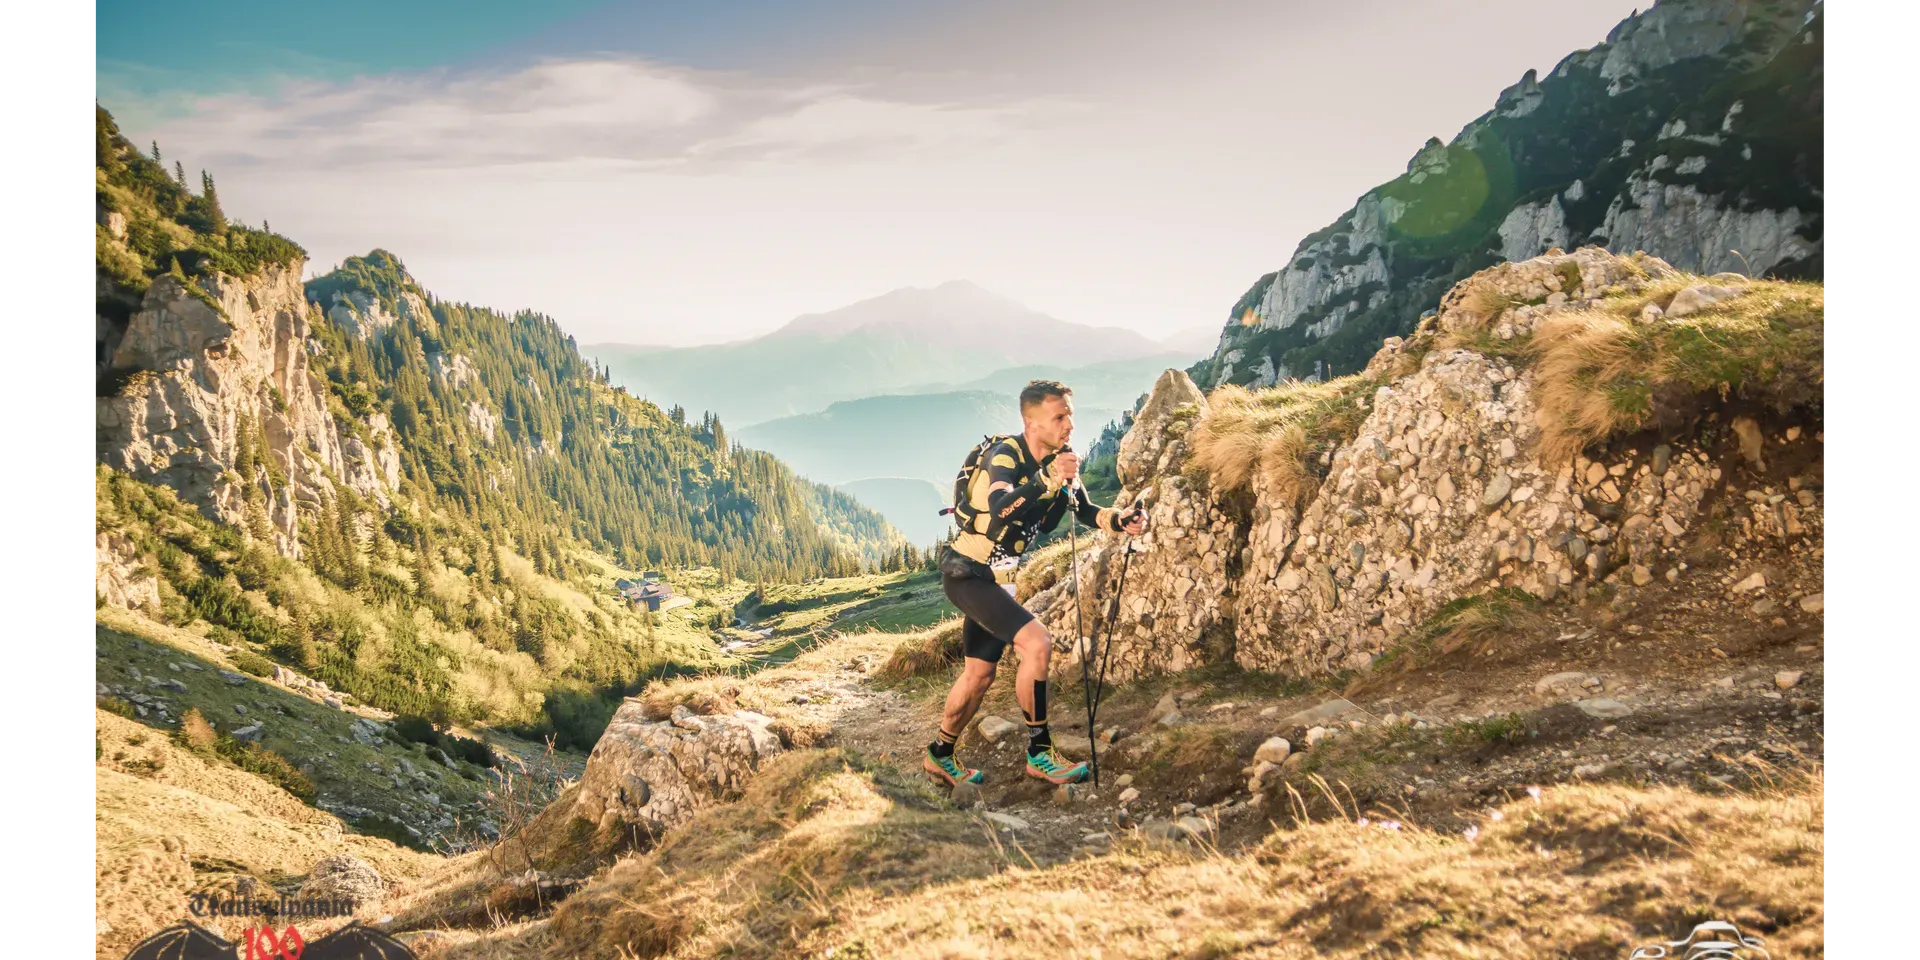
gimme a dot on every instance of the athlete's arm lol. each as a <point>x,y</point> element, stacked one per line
<point>1003,497</point>
<point>1099,518</point>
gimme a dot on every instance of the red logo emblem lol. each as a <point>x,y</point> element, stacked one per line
<point>264,944</point>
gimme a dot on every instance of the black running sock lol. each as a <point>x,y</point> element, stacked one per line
<point>942,746</point>
<point>1038,737</point>
<point>1038,740</point>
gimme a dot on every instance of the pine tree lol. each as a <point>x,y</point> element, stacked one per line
<point>156,151</point>
<point>422,562</point>
<point>180,174</point>
<point>211,198</point>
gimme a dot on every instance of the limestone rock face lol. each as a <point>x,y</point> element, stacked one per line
<point>1703,177</point>
<point>657,774</point>
<point>1700,233</point>
<point>116,578</point>
<point>201,374</point>
<point>362,315</point>
<point>1441,493</point>
<point>1144,452</point>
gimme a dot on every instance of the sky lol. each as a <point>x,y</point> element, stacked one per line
<point>676,173</point>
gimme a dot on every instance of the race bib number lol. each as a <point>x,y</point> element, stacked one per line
<point>1003,573</point>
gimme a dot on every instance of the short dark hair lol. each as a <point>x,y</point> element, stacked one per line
<point>1037,392</point>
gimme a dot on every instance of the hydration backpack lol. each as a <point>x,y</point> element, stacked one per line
<point>963,509</point>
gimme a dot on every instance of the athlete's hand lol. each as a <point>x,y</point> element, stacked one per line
<point>1135,524</point>
<point>1066,466</point>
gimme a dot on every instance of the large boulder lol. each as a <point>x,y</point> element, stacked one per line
<point>645,776</point>
<point>344,877</point>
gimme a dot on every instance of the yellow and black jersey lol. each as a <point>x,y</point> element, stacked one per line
<point>1013,498</point>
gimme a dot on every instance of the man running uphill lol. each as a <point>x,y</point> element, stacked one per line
<point>1011,489</point>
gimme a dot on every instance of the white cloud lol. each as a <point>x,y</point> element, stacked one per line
<point>623,110</point>
<point>1142,178</point>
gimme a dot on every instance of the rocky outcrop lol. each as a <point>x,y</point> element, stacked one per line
<point>1692,132</point>
<point>456,370</point>
<point>363,315</point>
<point>118,577</point>
<point>1444,491</point>
<point>650,775</point>
<point>344,877</point>
<point>207,377</point>
<point>1703,233</point>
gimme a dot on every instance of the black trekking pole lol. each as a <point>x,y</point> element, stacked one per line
<point>1084,642</point>
<point>1113,621</point>
<point>1095,689</point>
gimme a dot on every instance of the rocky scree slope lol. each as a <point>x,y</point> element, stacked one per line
<point>1571,423</point>
<point>1693,133</point>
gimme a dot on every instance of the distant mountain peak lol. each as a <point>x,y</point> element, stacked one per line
<point>915,310</point>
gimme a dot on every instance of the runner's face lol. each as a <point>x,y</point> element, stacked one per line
<point>1052,421</point>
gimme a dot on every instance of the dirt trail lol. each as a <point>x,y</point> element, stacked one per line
<point>1693,684</point>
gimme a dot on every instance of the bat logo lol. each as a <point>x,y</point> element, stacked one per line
<point>1713,940</point>
<point>187,940</point>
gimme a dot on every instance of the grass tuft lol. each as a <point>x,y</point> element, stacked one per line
<point>1605,371</point>
<point>1273,436</point>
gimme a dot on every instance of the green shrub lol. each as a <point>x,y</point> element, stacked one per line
<point>472,751</point>
<point>294,649</point>
<point>115,705</point>
<point>576,718</point>
<point>249,662</point>
<point>416,729</point>
<point>267,765</point>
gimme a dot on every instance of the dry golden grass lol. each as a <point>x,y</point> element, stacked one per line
<point>1486,301</point>
<point>1588,871</point>
<point>167,823</point>
<point>924,653</point>
<point>768,691</point>
<point>1604,371</point>
<point>832,855</point>
<point>1268,435</point>
<point>816,833</point>
<point>1485,622</point>
<point>1043,568</point>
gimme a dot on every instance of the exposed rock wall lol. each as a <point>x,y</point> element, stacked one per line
<point>1442,493</point>
<point>202,379</point>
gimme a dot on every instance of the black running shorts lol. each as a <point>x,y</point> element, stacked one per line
<point>993,616</point>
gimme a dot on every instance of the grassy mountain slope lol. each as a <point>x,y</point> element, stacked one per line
<point>481,588</point>
<point>570,453</point>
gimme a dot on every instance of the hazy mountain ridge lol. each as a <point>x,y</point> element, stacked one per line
<point>901,435</point>
<point>898,342</point>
